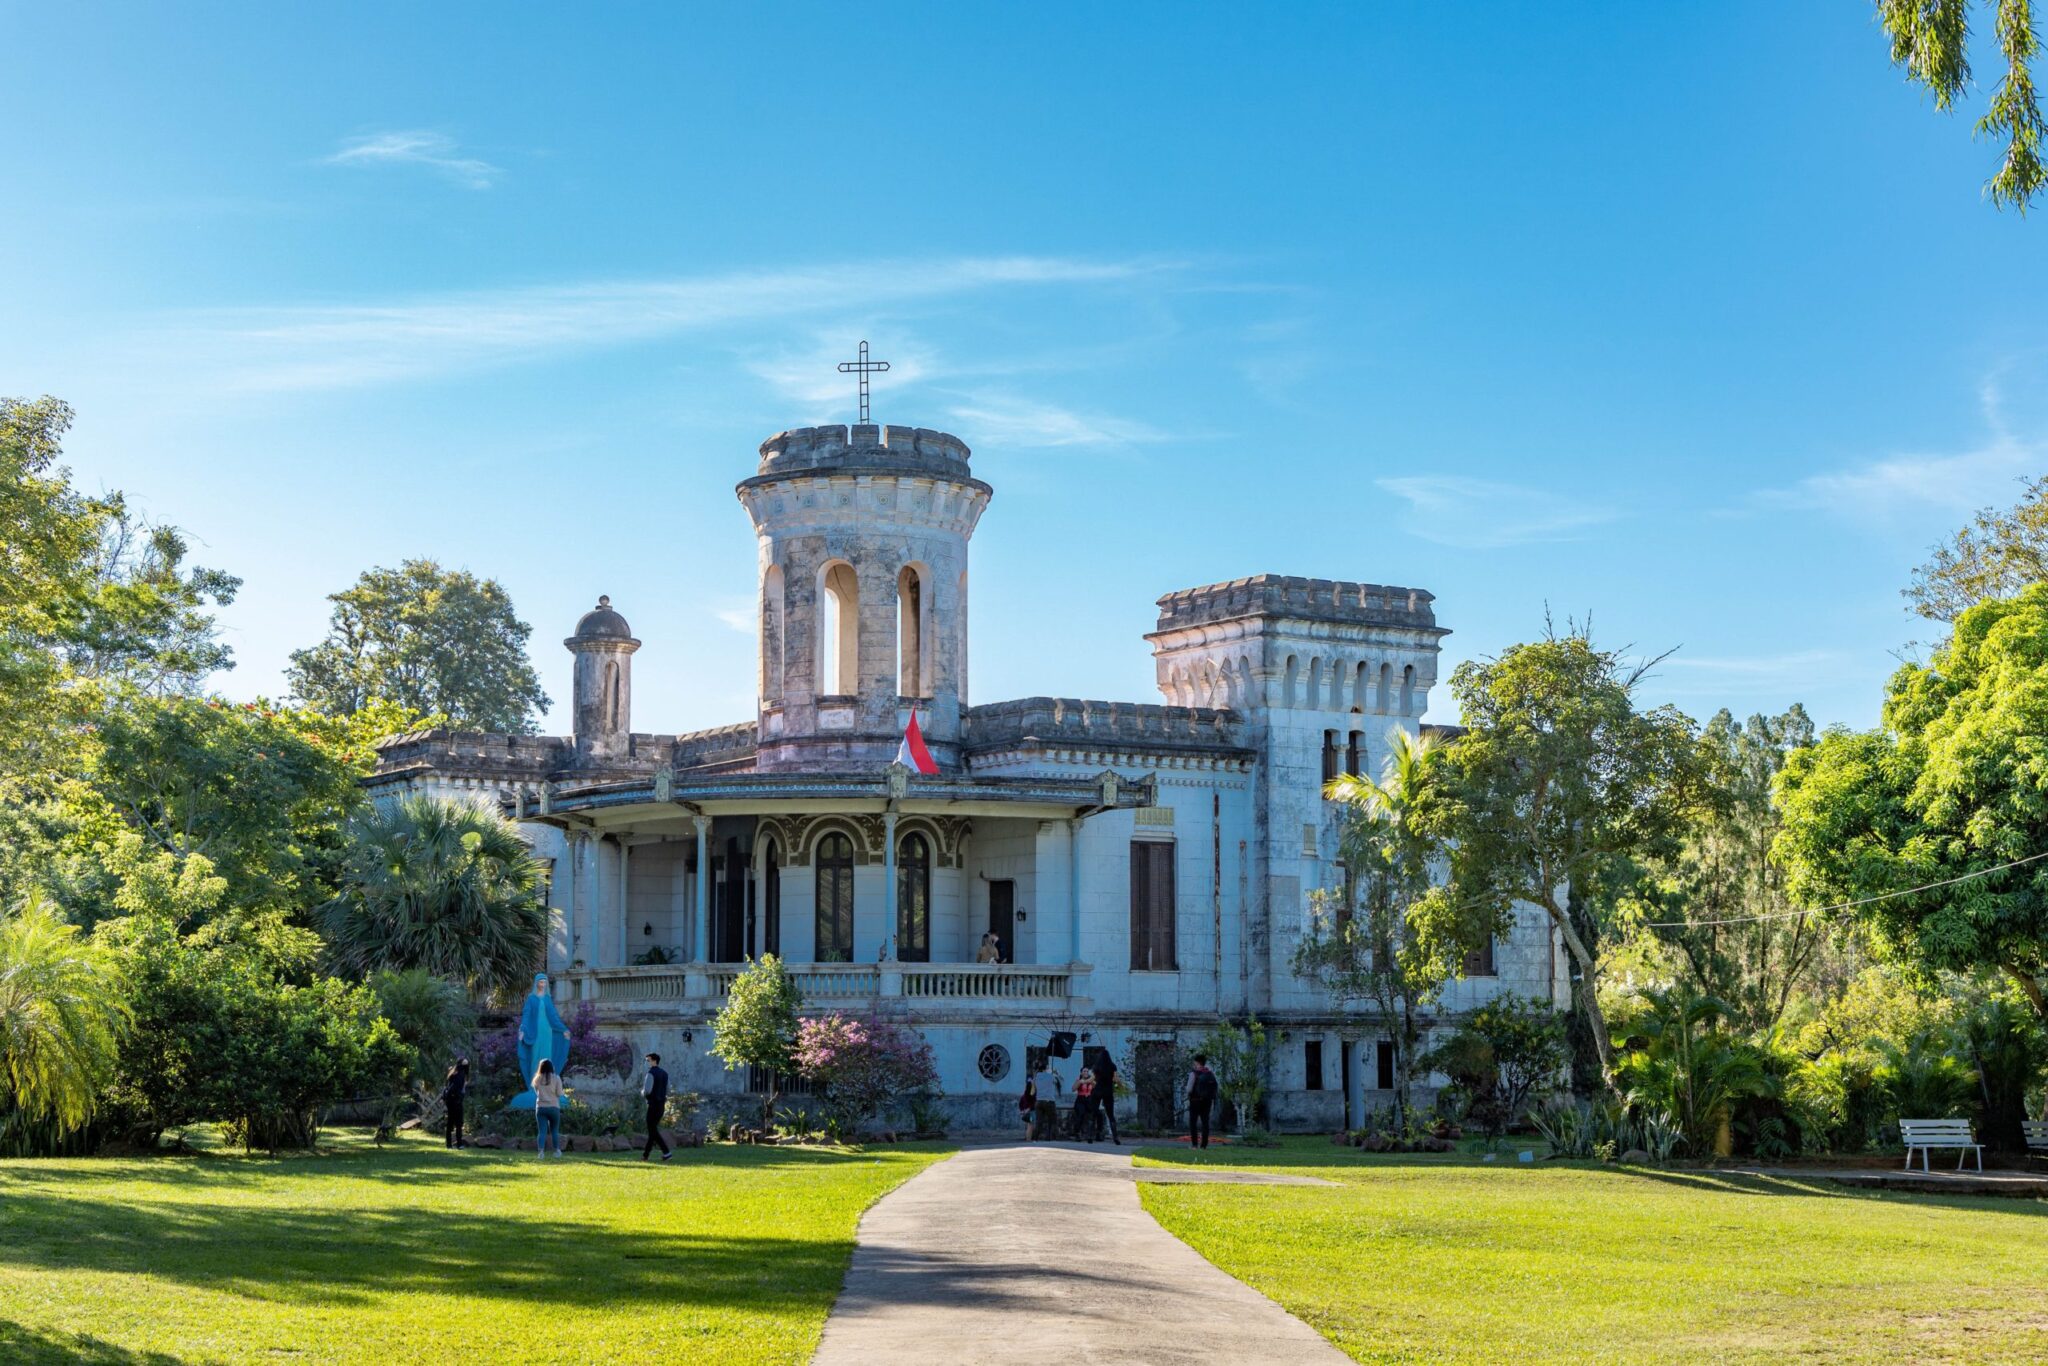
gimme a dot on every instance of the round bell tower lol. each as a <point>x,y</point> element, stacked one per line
<point>862,535</point>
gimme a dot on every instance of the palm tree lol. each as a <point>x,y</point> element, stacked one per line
<point>63,1013</point>
<point>440,885</point>
<point>1682,1060</point>
<point>1386,853</point>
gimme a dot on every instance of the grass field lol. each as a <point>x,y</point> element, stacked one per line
<point>1452,1260</point>
<point>417,1254</point>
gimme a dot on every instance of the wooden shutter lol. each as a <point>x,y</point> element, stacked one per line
<point>1152,906</point>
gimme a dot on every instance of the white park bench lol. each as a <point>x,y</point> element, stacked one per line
<point>1926,1135</point>
<point>2036,1131</point>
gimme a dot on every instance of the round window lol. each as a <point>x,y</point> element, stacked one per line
<point>994,1062</point>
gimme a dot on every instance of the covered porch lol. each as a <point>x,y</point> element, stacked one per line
<point>870,888</point>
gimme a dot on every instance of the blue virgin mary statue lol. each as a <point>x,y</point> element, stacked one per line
<point>541,1035</point>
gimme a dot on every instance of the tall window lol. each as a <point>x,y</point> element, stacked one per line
<point>771,900</point>
<point>912,651</point>
<point>835,899</point>
<point>1152,905</point>
<point>1330,753</point>
<point>838,630</point>
<point>913,900</point>
<point>1312,1063</point>
<point>1351,753</point>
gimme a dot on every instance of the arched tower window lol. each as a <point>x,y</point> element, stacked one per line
<point>838,630</point>
<point>1315,684</point>
<point>913,644</point>
<point>835,899</point>
<point>1287,679</point>
<point>913,899</point>
<point>612,709</point>
<point>1407,689</point>
<point>1386,686</point>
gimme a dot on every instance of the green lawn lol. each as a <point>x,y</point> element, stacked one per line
<point>416,1254</point>
<point>1449,1259</point>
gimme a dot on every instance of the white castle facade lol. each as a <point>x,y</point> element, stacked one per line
<point>1146,867</point>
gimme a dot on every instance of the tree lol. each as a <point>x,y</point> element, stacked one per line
<point>1366,942</point>
<point>1946,791</point>
<point>431,1014</point>
<point>440,885</point>
<point>148,621</point>
<point>757,1027</point>
<point>1681,1061</point>
<point>1930,39</point>
<point>1719,903</point>
<point>1997,556</point>
<point>430,639</point>
<point>1559,787</point>
<point>261,792</point>
<point>63,1012</point>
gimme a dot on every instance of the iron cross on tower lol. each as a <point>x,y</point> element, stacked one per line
<point>863,367</point>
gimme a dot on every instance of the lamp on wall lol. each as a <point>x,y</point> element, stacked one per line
<point>1023,915</point>
<point>686,1037</point>
<point>648,929</point>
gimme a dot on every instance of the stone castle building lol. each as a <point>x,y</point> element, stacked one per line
<point>1147,867</point>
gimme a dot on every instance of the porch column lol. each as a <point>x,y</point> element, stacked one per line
<point>889,886</point>
<point>625,903</point>
<point>573,845</point>
<point>1074,890</point>
<point>700,946</point>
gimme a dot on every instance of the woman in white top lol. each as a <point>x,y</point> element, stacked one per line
<point>547,1108</point>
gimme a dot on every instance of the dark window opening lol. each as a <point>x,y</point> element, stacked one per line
<point>913,900</point>
<point>1330,755</point>
<point>1383,1065</point>
<point>1351,753</point>
<point>1312,1062</point>
<point>1479,962</point>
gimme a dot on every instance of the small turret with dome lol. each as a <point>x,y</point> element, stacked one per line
<point>603,691</point>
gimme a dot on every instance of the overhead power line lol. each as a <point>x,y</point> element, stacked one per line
<point>1846,905</point>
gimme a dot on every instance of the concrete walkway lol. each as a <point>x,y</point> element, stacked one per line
<point>1042,1253</point>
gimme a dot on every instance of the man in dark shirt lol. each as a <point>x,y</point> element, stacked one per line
<point>454,1093</point>
<point>654,1086</point>
<point>1105,1087</point>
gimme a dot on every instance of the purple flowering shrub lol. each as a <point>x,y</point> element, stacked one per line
<point>592,1053</point>
<point>861,1065</point>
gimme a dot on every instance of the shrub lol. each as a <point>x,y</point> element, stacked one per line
<point>1500,1056</point>
<point>223,1033</point>
<point>861,1065</point>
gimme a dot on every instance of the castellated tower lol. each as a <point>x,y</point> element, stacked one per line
<point>1323,671</point>
<point>863,535</point>
<point>602,705</point>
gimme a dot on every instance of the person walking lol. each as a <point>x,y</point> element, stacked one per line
<point>1201,1092</point>
<point>654,1086</point>
<point>1027,1109</point>
<point>547,1108</point>
<point>1104,1067</point>
<point>454,1092</point>
<point>1046,1083</point>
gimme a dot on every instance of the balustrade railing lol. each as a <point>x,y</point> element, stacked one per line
<point>827,983</point>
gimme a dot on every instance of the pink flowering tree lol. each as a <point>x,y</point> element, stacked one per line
<point>860,1065</point>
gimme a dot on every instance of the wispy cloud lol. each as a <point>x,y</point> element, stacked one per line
<point>1479,514</point>
<point>417,147</point>
<point>1009,421</point>
<point>349,346</point>
<point>1776,675</point>
<point>739,617</point>
<point>1951,482</point>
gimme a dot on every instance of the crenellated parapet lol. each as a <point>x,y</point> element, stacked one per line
<point>865,447</point>
<point>1282,595</point>
<point>1086,721</point>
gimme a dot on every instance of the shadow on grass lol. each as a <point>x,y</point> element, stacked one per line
<point>321,1251</point>
<point>33,1347</point>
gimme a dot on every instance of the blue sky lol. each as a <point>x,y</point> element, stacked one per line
<point>1689,318</point>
